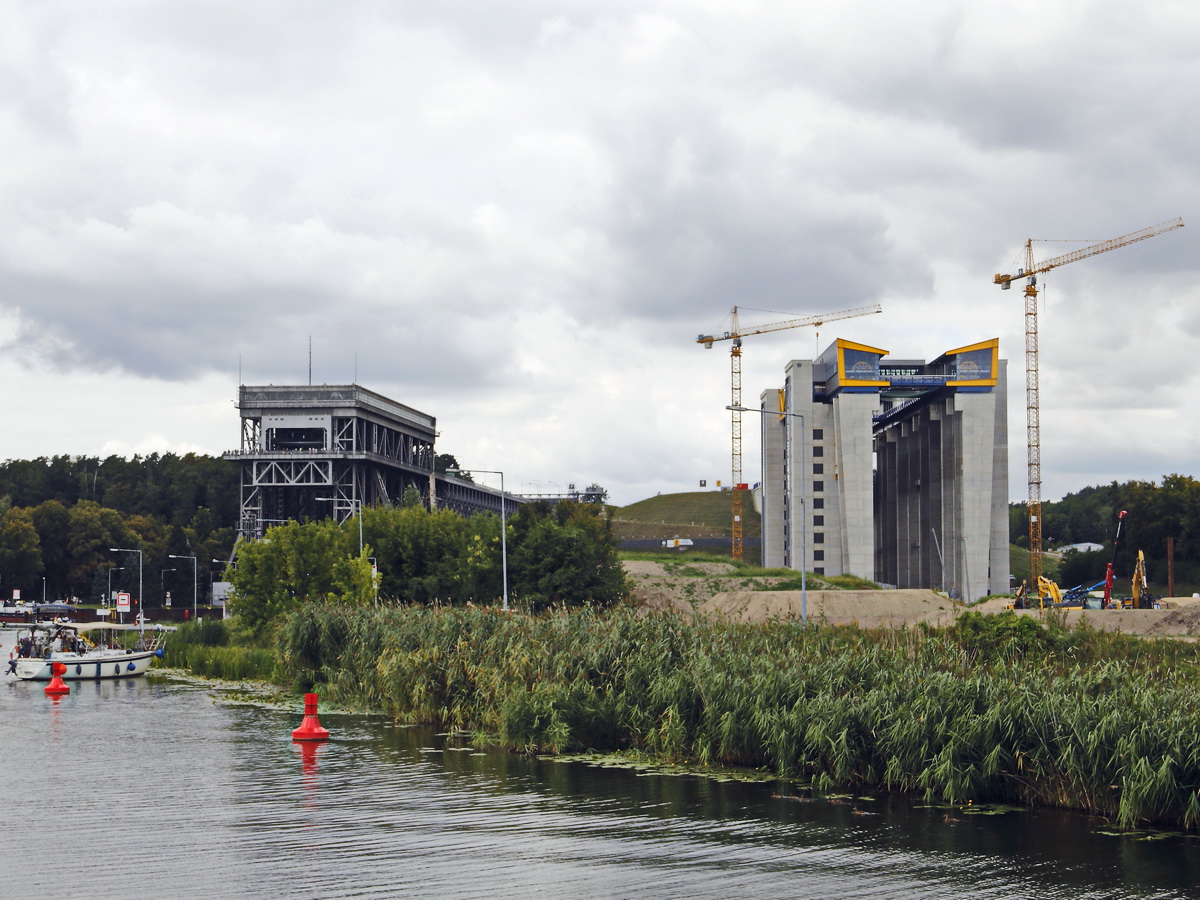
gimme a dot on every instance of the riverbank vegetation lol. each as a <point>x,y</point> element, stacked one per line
<point>551,554</point>
<point>995,708</point>
<point>220,648</point>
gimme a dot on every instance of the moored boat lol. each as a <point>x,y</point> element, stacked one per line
<point>89,651</point>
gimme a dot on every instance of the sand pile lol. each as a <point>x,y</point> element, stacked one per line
<point>1183,620</point>
<point>683,586</point>
<point>1126,621</point>
<point>868,609</point>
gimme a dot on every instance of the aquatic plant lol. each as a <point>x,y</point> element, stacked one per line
<point>215,649</point>
<point>993,708</point>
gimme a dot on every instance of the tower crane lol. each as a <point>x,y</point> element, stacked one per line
<point>735,334</point>
<point>1032,401</point>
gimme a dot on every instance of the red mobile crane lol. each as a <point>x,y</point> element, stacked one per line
<point>1108,570</point>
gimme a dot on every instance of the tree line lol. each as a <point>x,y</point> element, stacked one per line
<point>61,517</point>
<point>1156,512</point>
<point>551,554</point>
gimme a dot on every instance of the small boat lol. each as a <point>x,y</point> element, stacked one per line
<point>89,651</point>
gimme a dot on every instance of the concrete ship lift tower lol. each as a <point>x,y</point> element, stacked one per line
<point>736,334</point>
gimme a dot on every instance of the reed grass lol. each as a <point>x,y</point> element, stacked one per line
<point>215,650</point>
<point>229,663</point>
<point>991,709</point>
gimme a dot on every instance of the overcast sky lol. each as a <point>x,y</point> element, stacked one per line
<point>517,215</point>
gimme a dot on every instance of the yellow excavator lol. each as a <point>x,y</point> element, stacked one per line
<point>1049,594</point>
<point>1142,598</point>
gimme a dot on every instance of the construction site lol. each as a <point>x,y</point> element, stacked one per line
<point>896,470</point>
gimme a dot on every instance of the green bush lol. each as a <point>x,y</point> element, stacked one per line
<point>990,636</point>
<point>205,633</point>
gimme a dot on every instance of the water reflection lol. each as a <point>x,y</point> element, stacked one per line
<point>149,786</point>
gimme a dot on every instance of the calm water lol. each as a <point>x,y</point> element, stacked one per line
<point>151,787</point>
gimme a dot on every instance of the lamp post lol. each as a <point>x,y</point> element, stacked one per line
<point>141,606</point>
<point>503,529</point>
<point>162,584</point>
<point>108,598</point>
<point>195,602</point>
<point>803,509</point>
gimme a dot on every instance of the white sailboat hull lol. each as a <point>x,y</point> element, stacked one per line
<point>87,666</point>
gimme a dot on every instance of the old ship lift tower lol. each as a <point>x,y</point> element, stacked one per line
<point>316,451</point>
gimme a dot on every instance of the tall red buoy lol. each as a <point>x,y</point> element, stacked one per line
<point>310,729</point>
<point>57,685</point>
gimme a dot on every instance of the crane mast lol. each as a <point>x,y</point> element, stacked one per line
<point>1033,428</point>
<point>735,334</point>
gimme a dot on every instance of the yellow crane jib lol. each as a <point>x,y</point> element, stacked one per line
<point>736,334</point>
<point>1032,268</point>
<point>708,339</point>
<point>1032,391</point>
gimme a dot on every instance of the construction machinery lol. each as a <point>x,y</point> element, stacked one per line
<point>1032,401</point>
<point>735,334</point>
<point>1111,564</point>
<point>1142,598</point>
<point>1095,596</point>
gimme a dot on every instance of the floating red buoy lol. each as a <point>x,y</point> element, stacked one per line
<point>57,685</point>
<point>310,729</point>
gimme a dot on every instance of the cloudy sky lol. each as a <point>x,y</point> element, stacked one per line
<point>517,216</point>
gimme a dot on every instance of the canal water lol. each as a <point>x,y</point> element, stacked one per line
<point>173,789</point>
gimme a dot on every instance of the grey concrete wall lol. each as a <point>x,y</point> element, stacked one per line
<point>998,574</point>
<point>849,469</point>
<point>772,492</point>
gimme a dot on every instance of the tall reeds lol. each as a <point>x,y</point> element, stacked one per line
<point>208,649</point>
<point>988,710</point>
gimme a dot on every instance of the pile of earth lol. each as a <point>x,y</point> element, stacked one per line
<point>715,589</point>
<point>867,609</point>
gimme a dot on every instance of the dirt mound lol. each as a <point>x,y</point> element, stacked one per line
<point>1184,620</point>
<point>866,608</point>
<point>685,587</point>
<point>642,568</point>
<point>663,600</point>
<point>1126,621</point>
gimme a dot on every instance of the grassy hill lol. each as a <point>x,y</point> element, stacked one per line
<point>1019,563</point>
<point>692,515</point>
<point>706,514</point>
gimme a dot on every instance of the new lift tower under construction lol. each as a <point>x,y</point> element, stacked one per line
<point>735,334</point>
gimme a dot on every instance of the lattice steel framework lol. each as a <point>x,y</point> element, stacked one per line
<point>309,452</point>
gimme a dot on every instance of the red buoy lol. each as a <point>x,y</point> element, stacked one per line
<point>57,685</point>
<point>310,729</point>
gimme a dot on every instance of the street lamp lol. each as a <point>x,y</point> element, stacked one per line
<point>195,602</point>
<point>803,510</point>
<point>108,598</point>
<point>503,529</point>
<point>162,584</point>
<point>141,606</point>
